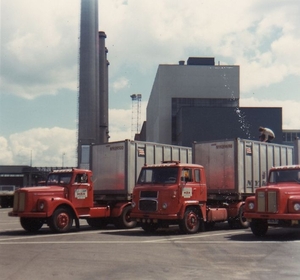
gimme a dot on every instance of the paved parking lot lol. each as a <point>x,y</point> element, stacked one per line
<point>133,254</point>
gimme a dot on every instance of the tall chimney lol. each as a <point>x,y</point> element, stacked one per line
<point>103,89</point>
<point>88,118</point>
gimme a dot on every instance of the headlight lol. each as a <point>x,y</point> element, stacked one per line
<point>251,205</point>
<point>133,204</point>
<point>297,206</point>
<point>165,205</point>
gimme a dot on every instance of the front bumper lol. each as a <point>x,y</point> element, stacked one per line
<point>28,214</point>
<point>269,216</point>
<point>153,216</point>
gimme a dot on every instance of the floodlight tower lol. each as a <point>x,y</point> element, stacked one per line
<point>135,114</point>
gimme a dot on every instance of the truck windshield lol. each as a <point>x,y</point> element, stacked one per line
<point>59,179</point>
<point>288,175</point>
<point>158,175</point>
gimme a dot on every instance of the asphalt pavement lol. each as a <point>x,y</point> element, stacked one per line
<point>221,253</point>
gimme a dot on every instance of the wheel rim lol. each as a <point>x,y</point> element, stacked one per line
<point>63,220</point>
<point>192,220</point>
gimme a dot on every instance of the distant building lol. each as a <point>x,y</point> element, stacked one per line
<point>199,83</point>
<point>290,135</point>
<point>199,101</point>
<point>21,175</point>
<point>24,175</point>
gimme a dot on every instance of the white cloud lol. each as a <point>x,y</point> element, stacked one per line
<point>263,38</point>
<point>120,83</point>
<point>42,147</point>
<point>40,39</point>
<point>56,146</point>
<point>39,47</point>
<point>6,157</point>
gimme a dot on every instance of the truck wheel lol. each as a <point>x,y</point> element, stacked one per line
<point>61,220</point>
<point>259,227</point>
<point>31,224</point>
<point>242,220</point>
<point>149,227</point>
<point>239,221</point>
<point>97,222</point>
<point>190,222</point>
<point>124,220</point>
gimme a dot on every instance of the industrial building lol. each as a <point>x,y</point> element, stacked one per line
<point>199,101</point>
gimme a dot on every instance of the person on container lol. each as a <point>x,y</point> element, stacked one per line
<point>266,134</point>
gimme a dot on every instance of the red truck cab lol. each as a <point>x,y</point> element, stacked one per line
<point>67,195</point>
<point>277,203</point>
<point>170,193</point>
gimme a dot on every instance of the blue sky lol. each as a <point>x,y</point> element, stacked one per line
<point>39,63</point>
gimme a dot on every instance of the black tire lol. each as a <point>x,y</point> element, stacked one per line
<point>124,220</point>
<point>243,223</point>
<point>259,227</point>
<point>240,221</point>
<point>97,222</point>
<point>151,227</point>
<point>61,220</point>
<point>190,222</point>
<point>31,224</point>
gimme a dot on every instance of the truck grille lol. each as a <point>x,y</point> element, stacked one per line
<point>148,205</point>
<point>19,201</point>
<point>267,201</point>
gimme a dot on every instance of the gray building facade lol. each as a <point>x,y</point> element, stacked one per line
<point>199,101</point>
<point>199,83</point>
<point>219,123</point>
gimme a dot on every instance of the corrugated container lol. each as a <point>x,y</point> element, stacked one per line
<point>116,165</point>
<point>239,166</point>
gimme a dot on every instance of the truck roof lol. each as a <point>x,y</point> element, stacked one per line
<point>295,166</point>
<point>174,164</point>
<point>70,170</point>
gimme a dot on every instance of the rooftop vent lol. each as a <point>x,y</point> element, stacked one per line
<point>201,61</point>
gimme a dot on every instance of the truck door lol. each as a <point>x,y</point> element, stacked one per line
<point>190,181</point>
<point>81,192</point>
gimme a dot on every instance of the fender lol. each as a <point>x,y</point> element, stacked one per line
<point>234,209</point>
<point>50,204</point>
<point>188,203</point>
<point>117,209</point>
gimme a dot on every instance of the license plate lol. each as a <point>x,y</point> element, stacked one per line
<point>273,222</point>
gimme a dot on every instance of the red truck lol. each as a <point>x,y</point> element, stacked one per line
<point>67,195</point>
<point>101,196</point>
<point>172,193</point>
<point>276,204</point>
<point>212,189</point>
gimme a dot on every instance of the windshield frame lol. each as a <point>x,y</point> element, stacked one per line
<point>159,175</point>
<point>284,176</point>
<point>59,178</point>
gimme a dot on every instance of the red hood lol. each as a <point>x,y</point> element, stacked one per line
<point>47,189</point>
<point>284,188</point>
